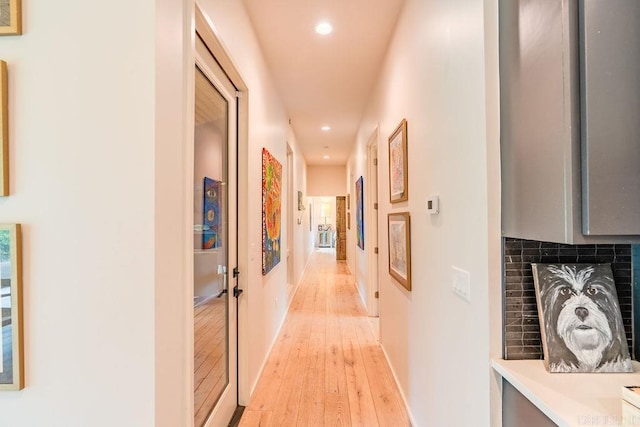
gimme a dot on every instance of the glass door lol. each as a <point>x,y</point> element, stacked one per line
<point>214,243</point>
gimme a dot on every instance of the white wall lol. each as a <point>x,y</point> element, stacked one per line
<point>303,236</point>
<point>98,125</point>
<point>263,305</point>
<point>82,156</point>
<point>326,180</point>
<point>440,74</point>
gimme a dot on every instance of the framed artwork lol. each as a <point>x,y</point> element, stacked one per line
<point>348,201</point>
<point>211,214</point>
<point>300,201</point>
<point>10,17</point>
<point>398,171</point>
<point>271,211</point>
<point>360,213</point>
<point>580,320</point>
<point>11,340</point>
<point>349,220</point>
<point>400,248</point>
<point>4,132</point>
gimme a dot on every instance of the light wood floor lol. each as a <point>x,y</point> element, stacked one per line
<point>326,368</point>
<point>210,367</point>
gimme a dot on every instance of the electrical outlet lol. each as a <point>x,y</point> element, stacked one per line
<point>461,282</point>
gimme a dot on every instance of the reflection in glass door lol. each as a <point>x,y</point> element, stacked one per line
<point>213,246</point>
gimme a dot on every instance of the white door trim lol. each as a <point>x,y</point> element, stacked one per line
<point>207,32</point>
<point>372,224</point>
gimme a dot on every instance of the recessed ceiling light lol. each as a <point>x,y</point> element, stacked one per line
<point>325,128</point>
<point>326,157</point>
<point>324,28</point>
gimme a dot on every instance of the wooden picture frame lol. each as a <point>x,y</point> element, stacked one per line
<point>399,241</point>
<point>11,339</point>
<point>349,220</point>
<point>4,131</point>
<point>398,164</point>
<point>10,17</point>
<point>349,201</point>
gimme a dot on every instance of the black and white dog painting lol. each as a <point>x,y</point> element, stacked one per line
<point>580,318</point>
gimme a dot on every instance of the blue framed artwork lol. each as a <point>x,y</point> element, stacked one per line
<point>211,214</point>
<point>360,212</point>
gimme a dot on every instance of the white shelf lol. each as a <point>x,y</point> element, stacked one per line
<point>570,399</point>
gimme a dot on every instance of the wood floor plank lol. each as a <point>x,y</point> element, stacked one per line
<point>311,410</point>
<point>388,405</point>
<point>361,403</point>
<point>251,418</point>
<point>337,412</point>
<point>326,367</point>
<point>209,356</point>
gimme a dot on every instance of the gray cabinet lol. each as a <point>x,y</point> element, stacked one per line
<point>570,143</point>
<point>610,113</point>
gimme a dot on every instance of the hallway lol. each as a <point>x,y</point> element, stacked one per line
<point>326,367</point>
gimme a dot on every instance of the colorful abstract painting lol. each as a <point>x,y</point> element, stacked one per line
<point>360,213</point>
<point>211,214</point>
<point>271,211</point>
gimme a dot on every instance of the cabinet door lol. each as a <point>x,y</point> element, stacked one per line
<point>610,98</point>
<point>536,124</point>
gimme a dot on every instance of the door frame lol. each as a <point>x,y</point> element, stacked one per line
<point>206,31</point>
<point>373,258</point>
<point>291,209</point>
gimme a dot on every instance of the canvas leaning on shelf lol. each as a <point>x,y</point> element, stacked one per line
<point>580,320</point>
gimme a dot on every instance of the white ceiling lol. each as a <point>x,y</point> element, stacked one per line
<point>324,80</point>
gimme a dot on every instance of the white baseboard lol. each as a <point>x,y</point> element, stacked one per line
<point>395,377</point>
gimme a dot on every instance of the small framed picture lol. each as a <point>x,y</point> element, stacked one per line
<point>398,173</point>
<point>11,342</point>
<point>10,17</point>
<point>400,248</point>
<point>349,201</point>
<point>349,220</point>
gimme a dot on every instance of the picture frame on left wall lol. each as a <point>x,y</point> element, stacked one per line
<point>4,131</point>
<point>11,340</point>
<point>10,17</point>
<point>271,211</point>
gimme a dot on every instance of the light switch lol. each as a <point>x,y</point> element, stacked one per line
<point>461,282</point>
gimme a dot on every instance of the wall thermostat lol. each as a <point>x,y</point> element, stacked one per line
<point>433,205</point>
